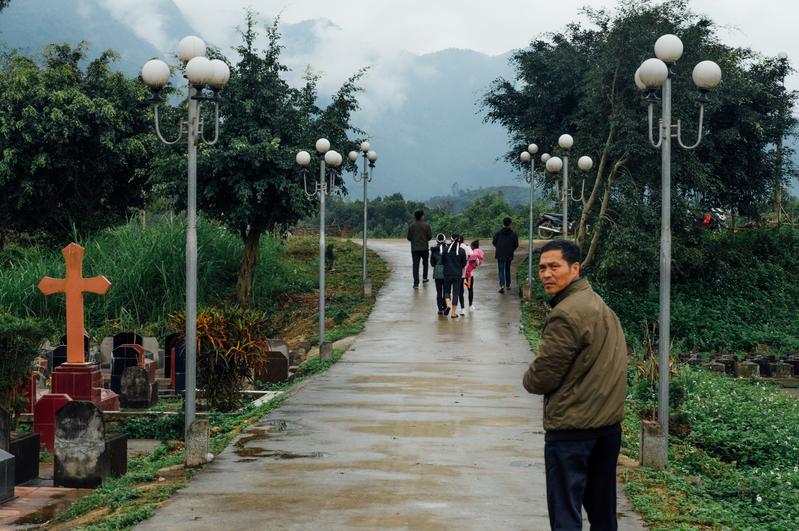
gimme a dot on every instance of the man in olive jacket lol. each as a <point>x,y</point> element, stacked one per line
<point>419,234</point>
<point>581,369</point>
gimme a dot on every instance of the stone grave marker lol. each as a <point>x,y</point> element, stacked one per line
<point>747,369</point>
<point>765,365</point>
<point>86,346</point>
<point>169,343</point>
<point>137,390</point>
<point>25,448</point>
<point>277,368</point>
<point>59,356</point>
<point>128,338</point>
<point>5,429</point>
<point>6,476</point>
<point>150,345</point>
<point>781,369</point>
<point>106,348</point>
<point>122,357</point>
<point>84,456</point>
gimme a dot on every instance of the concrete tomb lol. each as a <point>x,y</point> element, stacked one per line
<point>747,369</point>
<point>128,338</point>
<point>23,446</point>
<point>175,361</point>
<point>6,476</point>
<point>277,368</point>
<point>137,390</point>
<point>84,455</point>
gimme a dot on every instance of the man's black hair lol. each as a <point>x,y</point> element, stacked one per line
<point>506,222</point>
<point>569,250</point>
<point>418,215</point>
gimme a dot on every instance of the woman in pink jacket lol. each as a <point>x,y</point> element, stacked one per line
<point>473,261</point>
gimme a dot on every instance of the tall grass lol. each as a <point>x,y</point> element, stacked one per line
<point>146,267</point>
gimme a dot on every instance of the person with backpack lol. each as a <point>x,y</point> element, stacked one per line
<point>462,286</point>
<point>505,243</point>
<point>454,262</point>
<point>437,261</point>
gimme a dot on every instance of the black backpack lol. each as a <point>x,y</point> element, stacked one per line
<point>438,269</point>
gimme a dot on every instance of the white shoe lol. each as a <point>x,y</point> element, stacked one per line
<point>472,308</point>
<point>463,311</point>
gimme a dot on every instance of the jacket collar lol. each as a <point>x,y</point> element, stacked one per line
<point>578,284</point>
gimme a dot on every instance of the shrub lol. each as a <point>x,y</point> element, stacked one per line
<point>231,348</point>
<point>19,345</point>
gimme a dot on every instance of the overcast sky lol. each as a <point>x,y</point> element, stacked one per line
<point>423,26</point>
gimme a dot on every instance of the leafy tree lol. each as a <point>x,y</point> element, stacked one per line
<point>580,81</point>
<point>74,142</point>
<point>249,180</point>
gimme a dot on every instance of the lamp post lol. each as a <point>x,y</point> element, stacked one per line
<point>653,73</point>
<point>556,164</point>
<point>201,74</point>
<point>323,187</point>
<point>783,59</point>
<point>369,160</point>
<point>525,157</point>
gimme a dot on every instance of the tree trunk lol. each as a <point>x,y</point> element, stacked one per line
<point>249,260</point>
<point>602,212</point>
<point>588,205</point>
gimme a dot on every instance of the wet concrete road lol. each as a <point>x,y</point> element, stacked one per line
<point>424,424</point>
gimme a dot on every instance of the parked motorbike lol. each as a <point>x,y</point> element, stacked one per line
<point>715,219</point>
<point>550,224</point>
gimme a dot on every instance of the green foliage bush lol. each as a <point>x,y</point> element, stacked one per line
<point>19,345</point>
<point>231,347</point>
<point>729,290</point>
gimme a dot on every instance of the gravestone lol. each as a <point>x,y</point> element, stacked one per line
<point>715,366</point>
<point>121,358</point>
<point>128,338</point>
<point>5,429</point>
<point>150,345</point>
<point>25,449</point>
<point>176,354</point>
<point>729,364</point>
<point>277,368</point>
<point>781,369</point>
<point>765,365</point>
<point>59,357</point>
<point>6,476</point>
<point>169,343</point>
<point>137,391</point>
<point>84,456</point>
<point>106,347</point>
<point>747,369</point>
<point>63,341</point>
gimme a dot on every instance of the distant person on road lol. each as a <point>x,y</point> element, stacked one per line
<point>437,261</point>
<point>454,262</point>
<point>505,242</point>
<point>581,369</point>
<point>462,285</point>
<point>419,234</point>
<point>473,262</point>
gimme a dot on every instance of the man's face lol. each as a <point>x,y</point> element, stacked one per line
<point>555,273</point>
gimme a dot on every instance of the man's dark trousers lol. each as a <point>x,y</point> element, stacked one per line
<point>417,256</point>
<point>504,273</point>
<point>579,473</point>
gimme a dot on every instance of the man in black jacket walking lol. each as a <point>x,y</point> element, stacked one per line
<point>419,234</point>
<point>454,262</point>
<point>505,242</point>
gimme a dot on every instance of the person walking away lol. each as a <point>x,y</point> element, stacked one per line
<point>437,261</point>
<point>473,261</point>
<point>581,369</point>
<point>461,286</point>
<point>505,243</point>
<point>419,234</point>
<point>454,262</point>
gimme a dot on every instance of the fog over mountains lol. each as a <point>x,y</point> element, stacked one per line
<point>419,110</point>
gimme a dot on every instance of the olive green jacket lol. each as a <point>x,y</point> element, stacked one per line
<point>581,363</point>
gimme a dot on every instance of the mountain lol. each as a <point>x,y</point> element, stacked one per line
<point>420,112</point>
<point>30,25</point>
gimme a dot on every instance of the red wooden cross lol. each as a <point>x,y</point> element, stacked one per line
<point>74,285</point>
